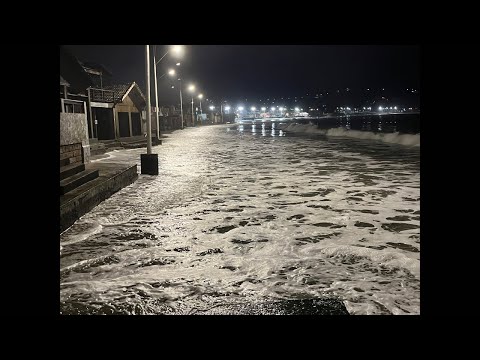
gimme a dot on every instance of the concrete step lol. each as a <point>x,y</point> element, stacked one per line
<point>70,170</point>
<point>97,149</point>
<point>77,180</point>
<point>64,162</point>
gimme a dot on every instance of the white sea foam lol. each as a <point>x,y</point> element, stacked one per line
<point>237,213</point>
<point>393,138</point>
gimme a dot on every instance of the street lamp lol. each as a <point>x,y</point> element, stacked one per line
<point>200,96</point>
<point>148,161</point>
<point>181,101</point>
<point>177,51</point>
<point>170,72</point>
<point>191,88</point>
<point>212,108</point>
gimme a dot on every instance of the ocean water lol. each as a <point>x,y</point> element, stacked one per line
<point>247,214</point>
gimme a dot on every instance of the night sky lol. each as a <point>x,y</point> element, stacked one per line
<point>252,72</point>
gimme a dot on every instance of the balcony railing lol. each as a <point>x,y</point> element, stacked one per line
<point>101,95</point>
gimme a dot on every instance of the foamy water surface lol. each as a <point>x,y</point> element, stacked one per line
<point>240,214</point>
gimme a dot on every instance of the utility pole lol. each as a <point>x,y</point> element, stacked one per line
<point>148,161</point>
<point>156,92</point>
<point>181,103</point>
<point>193,123</point>
<point>149,114</point>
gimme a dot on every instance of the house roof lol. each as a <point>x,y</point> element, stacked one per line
<point>131,89</point>
<point>96,66</point>
<point>72,71</point>
<point>63,81</point>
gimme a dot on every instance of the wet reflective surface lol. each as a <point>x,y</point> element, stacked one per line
<point>245,215</point>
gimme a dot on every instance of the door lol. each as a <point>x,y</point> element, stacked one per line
<point>123,125</point>
<point>136,124</point>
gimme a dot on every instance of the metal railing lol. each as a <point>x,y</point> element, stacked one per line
<point>101,95</point>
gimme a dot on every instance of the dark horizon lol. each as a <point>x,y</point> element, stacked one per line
<point>253,72</point>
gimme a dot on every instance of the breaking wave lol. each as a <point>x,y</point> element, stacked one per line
<point>393,138</point>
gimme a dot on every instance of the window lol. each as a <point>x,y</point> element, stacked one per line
<point>78,109</point>
<point>75,107</point>
<point>69,108</point>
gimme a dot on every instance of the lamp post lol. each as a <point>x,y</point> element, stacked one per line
<point>200,96</point>
<point>181,102</point>
<point>191,88</point>
<point>170,72</point>
<point>176,49</point>
<point>212,108</point>
<point>149,161</point>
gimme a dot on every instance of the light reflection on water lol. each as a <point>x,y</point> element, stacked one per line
<point>244,215</point>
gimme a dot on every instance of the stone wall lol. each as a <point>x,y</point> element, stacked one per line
<point>74,130</point>
<point>72,152</point>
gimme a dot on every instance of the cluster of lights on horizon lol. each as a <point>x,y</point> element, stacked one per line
<point>177,50</point>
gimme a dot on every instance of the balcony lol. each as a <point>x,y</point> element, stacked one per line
<point>101,95</point>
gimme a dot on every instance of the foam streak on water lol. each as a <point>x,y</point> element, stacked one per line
<point>236,216</point>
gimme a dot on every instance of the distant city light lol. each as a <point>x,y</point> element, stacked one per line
<point>280,108</point>
<point>240,108</point>
<point>264,108</point>
<point>227,108</point>
<point>212,107</point>
<point>380,108</point>
<point>253,108</point>
<point>297,109</point>
<point>272,108</point>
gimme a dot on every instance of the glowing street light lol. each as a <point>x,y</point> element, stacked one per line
<point>297,109</point>
<point>227,108</point>
<point>240,108</point>
<point>272,108</point>
<point>264,108</point>
<point>177,49</point>
<point>253,108</point>
<point>212,108</point>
